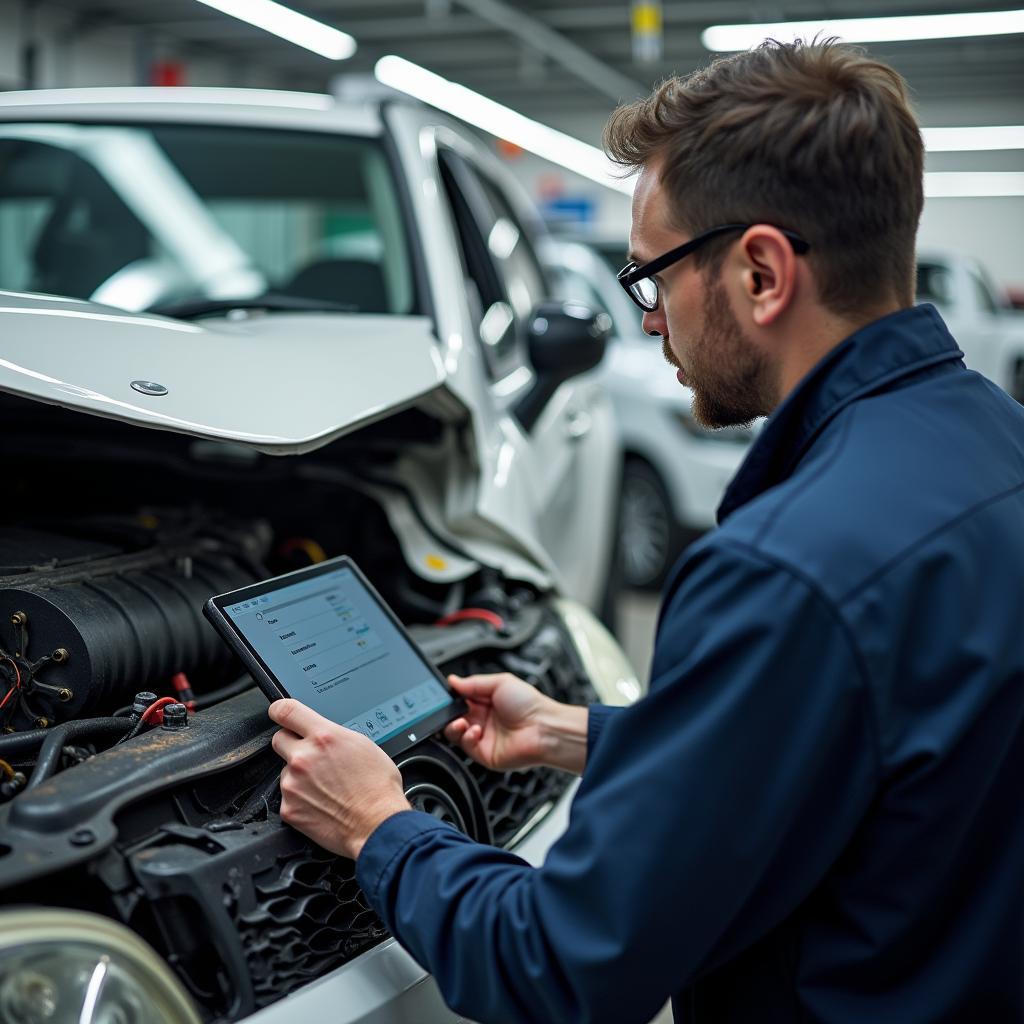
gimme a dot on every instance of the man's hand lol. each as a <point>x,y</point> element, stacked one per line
<point>511,724</point>
<point>337,785</point>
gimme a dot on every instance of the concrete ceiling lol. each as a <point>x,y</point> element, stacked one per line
<point>571,59</point>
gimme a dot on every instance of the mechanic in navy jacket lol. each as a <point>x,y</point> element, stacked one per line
<point>817,812</point>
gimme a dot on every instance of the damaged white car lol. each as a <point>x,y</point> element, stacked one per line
<point>289,330</point>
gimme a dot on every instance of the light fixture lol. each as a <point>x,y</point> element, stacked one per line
<point>962,140</point>
<point>477,110</point>
<point>722,38</point>
<point>68,965</point>
<point>288,24</point>
<point>973,184</point>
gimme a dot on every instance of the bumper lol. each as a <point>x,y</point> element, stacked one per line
<point>385,985</point>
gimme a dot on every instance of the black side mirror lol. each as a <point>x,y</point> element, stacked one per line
<point>564,339</point>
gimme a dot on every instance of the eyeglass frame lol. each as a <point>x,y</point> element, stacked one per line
<point>631,274</point>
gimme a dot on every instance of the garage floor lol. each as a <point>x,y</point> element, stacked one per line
<point>638,612</point>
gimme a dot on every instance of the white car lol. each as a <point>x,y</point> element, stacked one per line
<point>354,356</point>
<point>674,470</point>
<point>990,335</point>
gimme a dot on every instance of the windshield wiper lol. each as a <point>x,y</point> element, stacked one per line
<point>192,309</point>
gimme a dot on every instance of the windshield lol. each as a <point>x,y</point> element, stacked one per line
<point>145,217</point>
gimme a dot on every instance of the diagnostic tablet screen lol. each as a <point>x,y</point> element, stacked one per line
<point>331,645</point>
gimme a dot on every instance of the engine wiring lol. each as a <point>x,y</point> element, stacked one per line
<point>183,688</point>
<point>478,614</point>
<point>154,713</point>
<point>57,738</point>
<point>13,781</point>
<point>15,686</point>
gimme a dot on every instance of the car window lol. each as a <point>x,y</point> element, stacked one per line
<point>500,300</point>
<point>983,296</point>
<point>517,259</point>
<point>934,283</point>
<point>141,216</point>
<point>63,229</point>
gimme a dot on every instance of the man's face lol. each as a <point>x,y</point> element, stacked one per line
<point>701,335</point>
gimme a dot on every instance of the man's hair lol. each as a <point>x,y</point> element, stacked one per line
<point>813,137</point>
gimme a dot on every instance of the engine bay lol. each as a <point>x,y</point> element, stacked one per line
<point>113,539</point>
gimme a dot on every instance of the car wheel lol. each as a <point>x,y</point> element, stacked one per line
<point>649,538</point>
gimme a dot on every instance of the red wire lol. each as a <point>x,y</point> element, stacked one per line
<point>17,681</point>
<point>480,614</point>
<point>149,715</point>
<point>184,689</point>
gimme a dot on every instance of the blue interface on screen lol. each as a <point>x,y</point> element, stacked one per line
<point>333,648</point>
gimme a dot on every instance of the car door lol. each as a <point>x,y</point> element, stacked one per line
<point>572,448</point>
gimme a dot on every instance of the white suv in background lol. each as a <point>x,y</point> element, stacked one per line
<point>244,332</point>
<point>990,335</point>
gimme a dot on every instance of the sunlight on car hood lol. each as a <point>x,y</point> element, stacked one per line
<point>281,383</point>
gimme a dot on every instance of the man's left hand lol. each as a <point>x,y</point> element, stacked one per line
<point>337,785</point>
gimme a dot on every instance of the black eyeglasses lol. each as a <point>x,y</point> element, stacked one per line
<point>639,282</point>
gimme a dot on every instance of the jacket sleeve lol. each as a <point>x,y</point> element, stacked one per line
<point>708,811</point>
<point>599,715</point>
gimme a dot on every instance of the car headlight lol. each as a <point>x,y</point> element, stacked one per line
<point>70,967</point>
<point>603,659</point>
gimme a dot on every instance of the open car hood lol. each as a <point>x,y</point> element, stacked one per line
<point>280,383</point>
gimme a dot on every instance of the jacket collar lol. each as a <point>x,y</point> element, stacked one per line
<point>885,351</point>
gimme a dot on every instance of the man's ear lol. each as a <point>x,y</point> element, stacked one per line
<point>768,272</point>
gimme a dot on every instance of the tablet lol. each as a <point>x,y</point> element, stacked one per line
<point>324,636</point>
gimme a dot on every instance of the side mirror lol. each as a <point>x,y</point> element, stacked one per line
<point>565,339</point>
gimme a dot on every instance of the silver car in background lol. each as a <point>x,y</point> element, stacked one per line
<point>674,471</point>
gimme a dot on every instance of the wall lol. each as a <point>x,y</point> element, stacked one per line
<point>73,54</point>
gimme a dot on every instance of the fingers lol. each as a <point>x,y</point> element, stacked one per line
<point>455,730</point>
<point>479,687</point>
<point>295,716</point>
<point>465,734</point>
<point>285,743</point>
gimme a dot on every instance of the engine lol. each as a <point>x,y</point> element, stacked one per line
<point>175,832</point>
<point>87,622</point>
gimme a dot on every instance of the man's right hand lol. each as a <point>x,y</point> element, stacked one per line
<point>511,724</point>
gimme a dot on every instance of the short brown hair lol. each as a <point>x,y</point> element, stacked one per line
<point>814,137</point>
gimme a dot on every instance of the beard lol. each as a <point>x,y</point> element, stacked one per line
<point>730,379</point>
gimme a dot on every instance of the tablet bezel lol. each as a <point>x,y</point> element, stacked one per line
<point>273,687</point>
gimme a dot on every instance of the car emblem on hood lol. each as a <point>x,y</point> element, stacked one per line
<point>149,387</point>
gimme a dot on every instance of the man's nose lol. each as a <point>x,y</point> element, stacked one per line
<point>654,323</point>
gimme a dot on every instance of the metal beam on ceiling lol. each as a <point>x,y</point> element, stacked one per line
<point>557,47</point>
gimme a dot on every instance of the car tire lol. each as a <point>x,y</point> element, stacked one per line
<point>649,538</point>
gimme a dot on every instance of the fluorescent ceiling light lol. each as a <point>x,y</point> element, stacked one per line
<point>867,30</point>
<point>962,140</point>
<point>477,110</point>
<point>288,24</point>
<point>973,184</point>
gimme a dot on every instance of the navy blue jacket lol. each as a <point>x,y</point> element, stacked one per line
<point>817,813</point>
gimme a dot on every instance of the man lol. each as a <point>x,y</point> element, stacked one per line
<point>816,813</point>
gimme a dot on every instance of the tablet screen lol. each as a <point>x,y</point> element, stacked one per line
<point>331,645</point>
